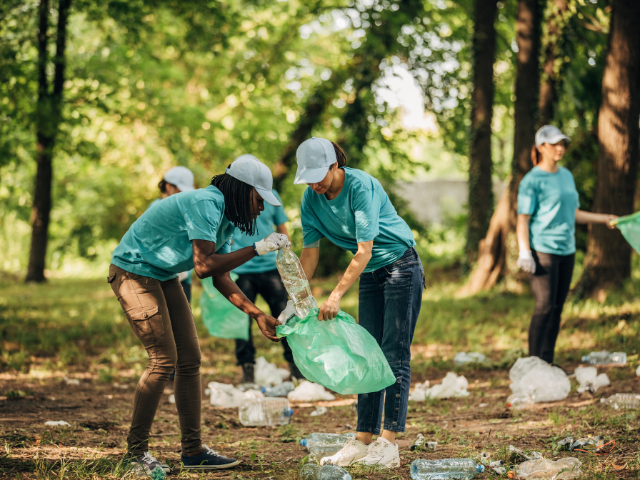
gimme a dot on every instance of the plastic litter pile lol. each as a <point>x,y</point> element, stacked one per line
<point>462,358</point>
<point>589,380</point>
<point>267,374</point>
<point>310,392</point>
<point>563,469</point>
<point>419,393</point>
<point>593,444</point>
<point>224,395</point>
<point>452,386</point>
<point>422,444</point>
<point>495,465</point>
<point>534,381</point>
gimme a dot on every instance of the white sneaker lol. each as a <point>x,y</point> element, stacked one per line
<point>353,450</point>
<point>382,453</point>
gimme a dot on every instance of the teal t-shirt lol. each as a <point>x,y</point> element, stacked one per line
<point>158,244</point>
<point>551,199</point>
<point>360,213</point>
<point>271,216</point>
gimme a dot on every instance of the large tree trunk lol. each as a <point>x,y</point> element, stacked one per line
<point>480,161</point>
<point>492,254</point>
<point>553,60</point>
<point>608,260</point>
<point>47,125</point>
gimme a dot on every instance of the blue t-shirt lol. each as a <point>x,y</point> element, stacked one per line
<point>158,244</point>
<point>360,213</point>
<point>551,199</point>
<point>265,222</point>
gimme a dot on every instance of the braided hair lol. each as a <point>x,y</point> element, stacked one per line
<point>238,199</point>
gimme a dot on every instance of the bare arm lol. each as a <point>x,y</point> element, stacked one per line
<point>208,263</point>
<point>283,230</point>
<point>588,217</point>
<point>309,261</point>
<point>330,308</point>
<point>522,232</point>
<point>227,287</point>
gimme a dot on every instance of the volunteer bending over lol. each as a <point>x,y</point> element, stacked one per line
<point>547,213</point>
<point>351,209</point>
<point>186,230</point>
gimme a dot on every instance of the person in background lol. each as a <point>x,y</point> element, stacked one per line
<point>260,276</point>
<point>176,180</point>
<point>548,209</point>
<point>351,209</point>
<point>187,230</point>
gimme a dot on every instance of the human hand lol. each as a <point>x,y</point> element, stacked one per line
<point>287,313</point>
<point>271,243</point>
<point>268,326</point>
<point>329,309</point>
<point>609,220</point>
<point>526,262</point>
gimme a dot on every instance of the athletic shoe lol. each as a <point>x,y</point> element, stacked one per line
<point>382,453</point>
<point>146,464</point>
<point>352,451</point>
<point>208,460</point>
<point>248,373</point>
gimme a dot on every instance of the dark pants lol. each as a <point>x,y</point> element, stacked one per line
<point>550,286</point>
<point>389,306</point>
<point>269,285</point>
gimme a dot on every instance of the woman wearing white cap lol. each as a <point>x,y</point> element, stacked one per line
<point>351,209</point>
<point>191,229</point>
<point>548,209</point>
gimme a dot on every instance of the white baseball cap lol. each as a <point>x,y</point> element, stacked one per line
<point>181,177</point>
<point>549,134</point>
<point>250,170</point>
<point>314,156</point>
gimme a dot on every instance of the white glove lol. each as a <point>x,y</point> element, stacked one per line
<point>526,262</point>
<point>287,313</point>
<point>271,243</point>
<point>183,276</point>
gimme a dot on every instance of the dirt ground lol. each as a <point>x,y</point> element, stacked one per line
<point>99,415</point>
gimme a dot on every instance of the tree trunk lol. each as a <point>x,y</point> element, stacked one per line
<point>47,125</point>
<point>553,59</point>
<point>480,161</point>
<point>492,251</point>
<point>608,260</point>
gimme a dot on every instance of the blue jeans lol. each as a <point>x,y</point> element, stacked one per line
<point>390,300</point>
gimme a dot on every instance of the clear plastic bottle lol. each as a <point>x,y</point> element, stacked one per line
<point>295,281</point>
<point>448,468</point>
<point>312,471</point>
<point>325,444</point>
<point>281,390</point>
<point>605,358</point>
<point>265,412</point>
<point>622,400</point>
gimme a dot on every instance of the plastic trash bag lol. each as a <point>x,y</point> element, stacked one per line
<point>224,395</point>
<point>268,374</point>
<point>221,318</point>
<point>338,354</point>
<point>533,377</point>
<point>452,386</point>
<point>588,379</point>
<point>629,225</point>
<point>419,393</point>
<point>309,392</point>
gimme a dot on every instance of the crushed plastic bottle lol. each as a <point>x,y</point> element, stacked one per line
<point>265,412</point>
<point>322,445</point>
<point>281,390</point>
<point>590,443</point>
<point>563,469</point>
<point>462,358</point>
<point>422,444</point>
<point>295,281</point>
<point>448,468</point>
<point>605,358</point>
<point>622,400</point>
<point>312,471</point>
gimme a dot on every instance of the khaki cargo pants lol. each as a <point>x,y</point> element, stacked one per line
<point>161,318</point>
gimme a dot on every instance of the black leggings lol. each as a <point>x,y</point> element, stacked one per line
<point>550,286</point>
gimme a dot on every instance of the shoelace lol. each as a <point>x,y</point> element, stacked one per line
<point>209,450</point>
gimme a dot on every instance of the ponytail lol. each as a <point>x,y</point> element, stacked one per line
<point>535,156</point>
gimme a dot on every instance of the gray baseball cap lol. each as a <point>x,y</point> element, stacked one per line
<point>314,156</point>
<point>549,134</point>
<point>250,170</point>
<point>181,177</point>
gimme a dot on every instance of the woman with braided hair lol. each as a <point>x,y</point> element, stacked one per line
<point>184,231</point>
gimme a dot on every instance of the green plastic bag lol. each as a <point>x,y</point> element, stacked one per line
<point>630,228</point>
<point>221,318</point>
<point>338,354</point>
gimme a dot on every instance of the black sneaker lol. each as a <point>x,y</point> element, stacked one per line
<point>208,460</point>
<point>146,465</point>
<point>248,373</point>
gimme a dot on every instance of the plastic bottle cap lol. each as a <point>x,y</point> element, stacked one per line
<point>584,359</point>
<point>262,389</point>
<point>303,442</point>
<point>480,468</point>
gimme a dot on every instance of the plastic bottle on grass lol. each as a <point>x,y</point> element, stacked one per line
<point>295,281</point>
<point>325,444</point>
<point>281,390</point>
<point>563,469</point>
<point>622,400</point>
<point>265,412</point>
<point>311,471</point>
<point>605,358</point>
<point>448,468</point>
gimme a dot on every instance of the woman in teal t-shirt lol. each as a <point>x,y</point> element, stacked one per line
<point>351,209</point>
<point>548,209</point>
